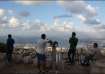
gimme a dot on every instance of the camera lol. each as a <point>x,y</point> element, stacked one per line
<point>53,43</point>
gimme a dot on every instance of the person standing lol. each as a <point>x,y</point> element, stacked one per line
<point>10,46</point>
<point>41,52</point>
<point>72,50</point>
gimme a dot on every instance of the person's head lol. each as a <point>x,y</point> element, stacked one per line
<point>9,36</point>
<point>73,34</point>
<point>95,45</point>
<point>43,36</point>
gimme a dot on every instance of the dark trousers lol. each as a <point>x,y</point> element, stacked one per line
<point>71,55</point>
<point>41,61</point>
<point>9,56</point>
<point>88,59</point>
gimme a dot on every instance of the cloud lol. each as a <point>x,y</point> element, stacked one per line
<point>3,21</point>
<point>11,11</point>
<point>87,32</point>
<point>73,6</point>
<point>91,11</point>
<point>85,12</point>
<point>2,12</point>
<point>24,14</point>
<point>8,21</point>
<point>29,27</point>
<point>34,2</point>
<point>81,17</point>
<point>78,7</point>
<point>62,26</point>
<point>99,27</point>
<point>89,21</point>
<point>36,25</point>
<point>62,16</point>
<point>92,21</point>
<point>45,28</point>
<point>13,22</point>
<point>40,27</point>
<point>33,28</point>
<point>4,18</point>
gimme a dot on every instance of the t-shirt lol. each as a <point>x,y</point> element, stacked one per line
<point>41,46</point>
<point>94,51</point>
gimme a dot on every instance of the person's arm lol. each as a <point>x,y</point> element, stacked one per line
<point>69,40</point>
<point>50,42</point>
<point>47,40</point>
<point>7,42</point>
<point>13,41</point>
<point>76,41</point>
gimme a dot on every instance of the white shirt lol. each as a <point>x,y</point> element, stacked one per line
<point>95,51</point>
<point>41,46</point>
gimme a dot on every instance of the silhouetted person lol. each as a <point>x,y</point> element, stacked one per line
<point>10,46</point>
<point>41,53</point>
<point>72,50</point>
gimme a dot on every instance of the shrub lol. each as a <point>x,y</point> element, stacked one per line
<point>2,47</point>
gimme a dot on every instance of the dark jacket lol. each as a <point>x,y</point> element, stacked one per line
<point>10,44</point>
<point>73,42</point>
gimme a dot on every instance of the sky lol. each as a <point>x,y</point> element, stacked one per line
<point>57,18</point>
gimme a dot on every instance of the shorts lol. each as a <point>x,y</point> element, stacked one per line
<point>41,57</point>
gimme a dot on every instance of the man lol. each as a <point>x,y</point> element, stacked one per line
<point>92,54</point>
<point>10,46</point>
<point>72,51</point>
<point>41,53</point>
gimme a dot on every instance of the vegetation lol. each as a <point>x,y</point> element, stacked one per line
<point>2,47</point>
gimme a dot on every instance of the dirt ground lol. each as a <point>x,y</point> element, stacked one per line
<point>21,68</point>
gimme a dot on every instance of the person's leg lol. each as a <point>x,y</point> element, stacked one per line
<point>10,59</point>
<point>39,65</point>
<point>7,58</point>
<point>73,56</point>
<point>91,57</point>
<point>69,55</point>
<point>10,56</point>
<point>44,62</point>
<point>38,62</point>
<point>87,60</point>
<point>54,61</point>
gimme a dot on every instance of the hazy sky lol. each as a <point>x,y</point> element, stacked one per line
<point>56,18</point>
